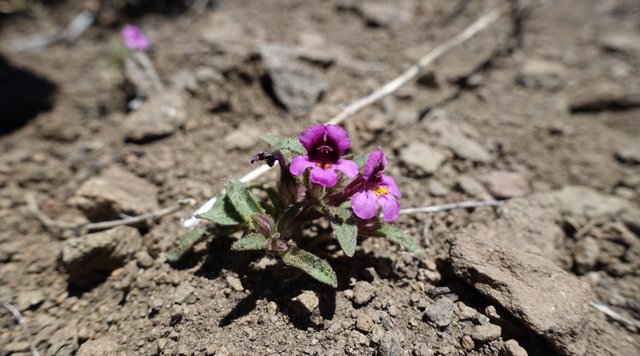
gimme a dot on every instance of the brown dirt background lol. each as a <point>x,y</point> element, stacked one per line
<point>527,129</point>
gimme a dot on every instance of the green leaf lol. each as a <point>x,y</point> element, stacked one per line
<point>288,216</point>
<point>344,228</point>
<point>347,235</point>
<point>312,265</point>
<point>400,237</point>
<point>243,202</point>
<point>222,213</point>
<point>273,195</point>
<point>284,144</point>
<point>361,160</point>
<point>187,242</point>
<point>251,242</point>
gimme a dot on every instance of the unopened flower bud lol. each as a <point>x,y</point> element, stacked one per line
<point>264,224</point>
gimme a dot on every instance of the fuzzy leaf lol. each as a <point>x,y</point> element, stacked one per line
<point>243,202</point>
<point>400,237</point>
<point>288,216</point>
<point>284,144</point>
<point>251,242</point>
<point>187,242</point>
<point>222,213</point>
<point>347,235</point>
<point>273,195</point>
<point>360,160</point>
<point>312,265</point>
<point>344,228</point>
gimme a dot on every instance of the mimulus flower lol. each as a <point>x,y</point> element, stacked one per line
<point>134,38</point>
<point>324,144</point>
<point>375,189</point>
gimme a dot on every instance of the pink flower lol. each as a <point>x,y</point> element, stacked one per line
<point>373,189</point>
<point>134,38</point>
<point>324,144</point>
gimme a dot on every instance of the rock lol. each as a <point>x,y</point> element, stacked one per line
<point>586,254</point>
<point>29,300</point>
<point>629,153</point>
<point>15,347</point>
<point>243,138</point>
<point>542,296</point>
<point>603,97</point>
<point>90,258</point>
<point>144,259</point>
<point>363,293</point>
<point>385,14</point>
<point>465,312</point>
<point>114,192</point>
<point>437,189</point>
<point>504,185</point>
<point>309,300</point>
<point>421,159</point>
<point>138,70</point>
<point>512,348</point>
<point>160,116</point>
<point>296,87</point>
<point>484,333</point>
<point>540,74</point>
<point>440,312</point>
<point>364,322</point>
<point>467,343</point>
<point>184,294</point>
<point>625,42</point>
<point>472,187</point>
<point>452,137</point>
<point>235,283</point>
<point>102,346</point>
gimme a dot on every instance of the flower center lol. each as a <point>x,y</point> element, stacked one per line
<point>323,165</point>
<point>380,190</point>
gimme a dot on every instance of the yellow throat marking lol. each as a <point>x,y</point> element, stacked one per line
<point>380,191</point>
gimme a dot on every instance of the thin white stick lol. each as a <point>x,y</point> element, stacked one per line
<point>78,26</point>
<point>452,206</point>
<point>16,314</point>
<point>615,315</point>
<point>479,25</point>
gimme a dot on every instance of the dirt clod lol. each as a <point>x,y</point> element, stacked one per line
<point>439,312</point>
<point>363,293</point>
<point>91,257</point>
<point>161,116</point>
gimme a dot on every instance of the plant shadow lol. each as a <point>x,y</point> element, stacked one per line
<point>267,278</point>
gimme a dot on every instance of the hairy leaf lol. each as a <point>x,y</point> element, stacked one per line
<point>312,265</point>
<point>360,160</point>
<point>243,202</point>
<point>251,242</point>
<point>400,237</point>
<point>345,229</point>
<point>187,242</point>
<point>273,195</point>
<point>288,216</point>
<point>222,213</point>
<point>284,144</point>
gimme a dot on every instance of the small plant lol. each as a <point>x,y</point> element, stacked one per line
<point>317,181</point>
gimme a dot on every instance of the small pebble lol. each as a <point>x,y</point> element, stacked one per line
<point>484,333</point>
<point>512,348</point>
<point>467,343</point>
<point>363,293</point>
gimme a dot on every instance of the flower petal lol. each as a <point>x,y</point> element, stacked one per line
<point>376,163</point>
<point>389,183</point>
<point>339,136</point>
<point>311,136</point>
<point>299,164</point>
<point>325,177</point>
<point>390,207</point>
<point>349,168</point>
<point>364,204</point>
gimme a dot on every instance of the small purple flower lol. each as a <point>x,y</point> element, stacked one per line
<point>374,188</point>
<point>324,144</point>
<point>134,38</point>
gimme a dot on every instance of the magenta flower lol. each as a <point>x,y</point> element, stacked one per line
<point>134,38</point>
<point>324,144</point>
<point>373,188</point>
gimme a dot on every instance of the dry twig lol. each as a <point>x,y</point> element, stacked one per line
<point>615,315</point>
<point>70,34</point>
<point>103,225</point>
<point>16,314</point>
<point>452,206</point>
<point>433,55</point>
